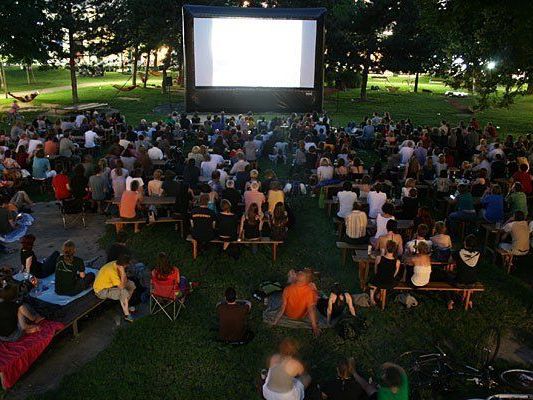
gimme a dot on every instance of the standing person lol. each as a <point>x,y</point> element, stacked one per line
<point>233,318</point>
<point>71,278</point>
<point>386,268</point>
<point>286,378</point>
<point>112,283</point>
<point>30,263</point>
<point>98,188</point>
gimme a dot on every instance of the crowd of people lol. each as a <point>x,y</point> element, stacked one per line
<point>214,171</point>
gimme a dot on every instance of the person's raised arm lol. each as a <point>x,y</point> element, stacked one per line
<point>331,300</point>
<point>397,268</point>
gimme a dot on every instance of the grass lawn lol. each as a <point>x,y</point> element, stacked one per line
<point>155,358</point>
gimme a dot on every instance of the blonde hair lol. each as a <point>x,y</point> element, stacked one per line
<point>254,174</point>
<point>158,174</point>
<point>325,162</point>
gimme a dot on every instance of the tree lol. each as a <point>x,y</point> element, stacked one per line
<point>415,45</point>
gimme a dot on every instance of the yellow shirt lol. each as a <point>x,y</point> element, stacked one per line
<point>275,197</point>
<point>107,277</point>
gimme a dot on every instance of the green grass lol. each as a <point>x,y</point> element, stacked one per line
<point>155,358</point>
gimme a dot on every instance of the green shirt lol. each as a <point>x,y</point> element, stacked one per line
<point>67,276</point>
<point>518,202</point>
<point>385,393</point>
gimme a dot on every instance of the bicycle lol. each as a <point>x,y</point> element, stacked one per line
<point>438,372</point>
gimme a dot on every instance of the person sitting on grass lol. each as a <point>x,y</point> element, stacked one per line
<point>344,386</point>
<point>112,283</point>
<point>286,377</point>
<point>299,301</point>
<point>30,263</point>
<point>71,278</point>
<point>386,269</point>
<point>16,319</point>
<point>333,306</point>
<point>232,317</point>
<point>441,242</point>
<point>203,221</point>
<point>130,202</point>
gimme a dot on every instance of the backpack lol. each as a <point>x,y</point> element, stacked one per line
<point>350,327</point>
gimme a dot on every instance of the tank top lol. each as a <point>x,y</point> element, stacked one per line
<point>251,230</point>
<point>421,276</point>
<point>386,270</point>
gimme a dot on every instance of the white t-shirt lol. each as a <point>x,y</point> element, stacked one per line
<point>32,145</point>
<point>79,120</point>
<point>375,202</point>
<point>155,153</point>
<point>421,275</point>
<point>129,180</point>
<point>406,153</point>
<point>346,200</point>
<point>207,168</point>
<point>90,137</point>
<point>381,225</point>
<point>324,173</point>
<point>217,158</point>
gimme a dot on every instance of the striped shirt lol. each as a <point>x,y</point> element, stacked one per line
<point>356,223</point>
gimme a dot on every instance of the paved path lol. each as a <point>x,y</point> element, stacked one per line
<point>68,87</point>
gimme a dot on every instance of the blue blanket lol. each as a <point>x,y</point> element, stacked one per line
<point>20,229</point>
<point>46,290</point>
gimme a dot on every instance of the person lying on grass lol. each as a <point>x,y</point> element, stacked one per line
<point>16,319</point>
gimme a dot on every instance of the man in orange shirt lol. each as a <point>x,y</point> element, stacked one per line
<point>299,300</point>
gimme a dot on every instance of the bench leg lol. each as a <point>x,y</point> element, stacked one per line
<point>194,249</point>
<point>467,299</point>
<point>136,228</point>
<point>383,298</point>
<point>274,251</point>
<point>75,328</point>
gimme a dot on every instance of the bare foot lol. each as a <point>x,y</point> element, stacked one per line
<point>32,329</point>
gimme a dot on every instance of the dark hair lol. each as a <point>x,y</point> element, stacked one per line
<point>347,185</point>
<point>121,237</point>
<point>387,208</point>
<point>134,186</point>
<point>392,226</point>
<point>523,167</point>
<point>230,294</point>
<point>470,242</point>
<point>162,264</point>
<point>123,259</point>
<point>519,216</point>
<point>225,205</point>
<point>392,377</point>
<point>422,230</point>
<point>391,246</point>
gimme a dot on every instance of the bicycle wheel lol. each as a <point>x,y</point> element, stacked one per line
<point>423,369</point>
<point>518,379</point>
<point>487,348</point>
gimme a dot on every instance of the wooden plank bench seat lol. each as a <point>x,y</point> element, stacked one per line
<point>120,222</point>
<point>435,287</point>
<point>265,240</point>
<point>345,247</point>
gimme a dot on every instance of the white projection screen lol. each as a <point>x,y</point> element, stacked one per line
<point>237,52</point>
<point>253,59</point>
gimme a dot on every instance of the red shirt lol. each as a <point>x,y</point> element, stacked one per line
<point>525,180</point>
<point>59,183</point>
<point>128,204</point>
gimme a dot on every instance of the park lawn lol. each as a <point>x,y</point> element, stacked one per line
<point>158,359</point>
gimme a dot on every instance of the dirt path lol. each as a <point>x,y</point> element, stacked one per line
<point>67,87</point>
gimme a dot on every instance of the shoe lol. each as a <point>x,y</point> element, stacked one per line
<point>129,318</point>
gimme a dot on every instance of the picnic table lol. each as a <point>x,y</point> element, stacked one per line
<point>491,229</point>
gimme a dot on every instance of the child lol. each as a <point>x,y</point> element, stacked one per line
<point>442,243</point>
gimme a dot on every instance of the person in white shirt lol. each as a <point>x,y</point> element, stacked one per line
<point>356,223</point>
<point>325,171</point>
<point>376,199</point>
<point>123,141</point>
<point>155,153</point>
<point>223,175</point>
<point>496,150</point>
<point>240,165</point>
<point>33,143</point>
<point>346,200</point>
<point>79,120</point>
<point>217,158</point>
<point>130,179</point>
<point>382,218</point>
<point>406,153</point>
<point>207,168</point>
<point>90,139</point>
<point>411,248</point>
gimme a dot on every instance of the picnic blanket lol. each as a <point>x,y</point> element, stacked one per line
<point>46,290</point>
<point>23,222</point>
<point>273,306</point>
<point>17,357</point>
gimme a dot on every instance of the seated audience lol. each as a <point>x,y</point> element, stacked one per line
<point>386,269</point>
<point>345,386</point>
<point>16,319</point>
<point>517,229</point>
<point>347,197</point>
<point>31,264</point>
<point>203,221</point>
<point>233,318</point>
<point>71,278</point>
<point>441,242</point>
<point>279,222</point>
<point>333,306</point>
<point>112,283</point>
<point>130,202</point>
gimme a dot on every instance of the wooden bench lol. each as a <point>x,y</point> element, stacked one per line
<point>265,240</point>
<point>507,259</point>
<point>435,287</point>
<point>345,247</point>
<point>72,321</point>
<point>120,222</point>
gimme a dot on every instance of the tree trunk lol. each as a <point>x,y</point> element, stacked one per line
<point>28,74</point>
<point>4,80</point>
<point>364,80</point>
<point>32,74</point>
<point>416,82</point>
<point>155,59</point>
<point>147,68</point>
<point>163,83</point>
<point>134,66</point>
<point>72,62</point>
<point>122,62</point>
<point>529,90</point>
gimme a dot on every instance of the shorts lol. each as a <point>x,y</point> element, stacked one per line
<point>297,392</point>
<point>116,293</point>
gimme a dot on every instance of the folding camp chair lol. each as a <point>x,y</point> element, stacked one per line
<point>73,209</point>
<point>165,295</point>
